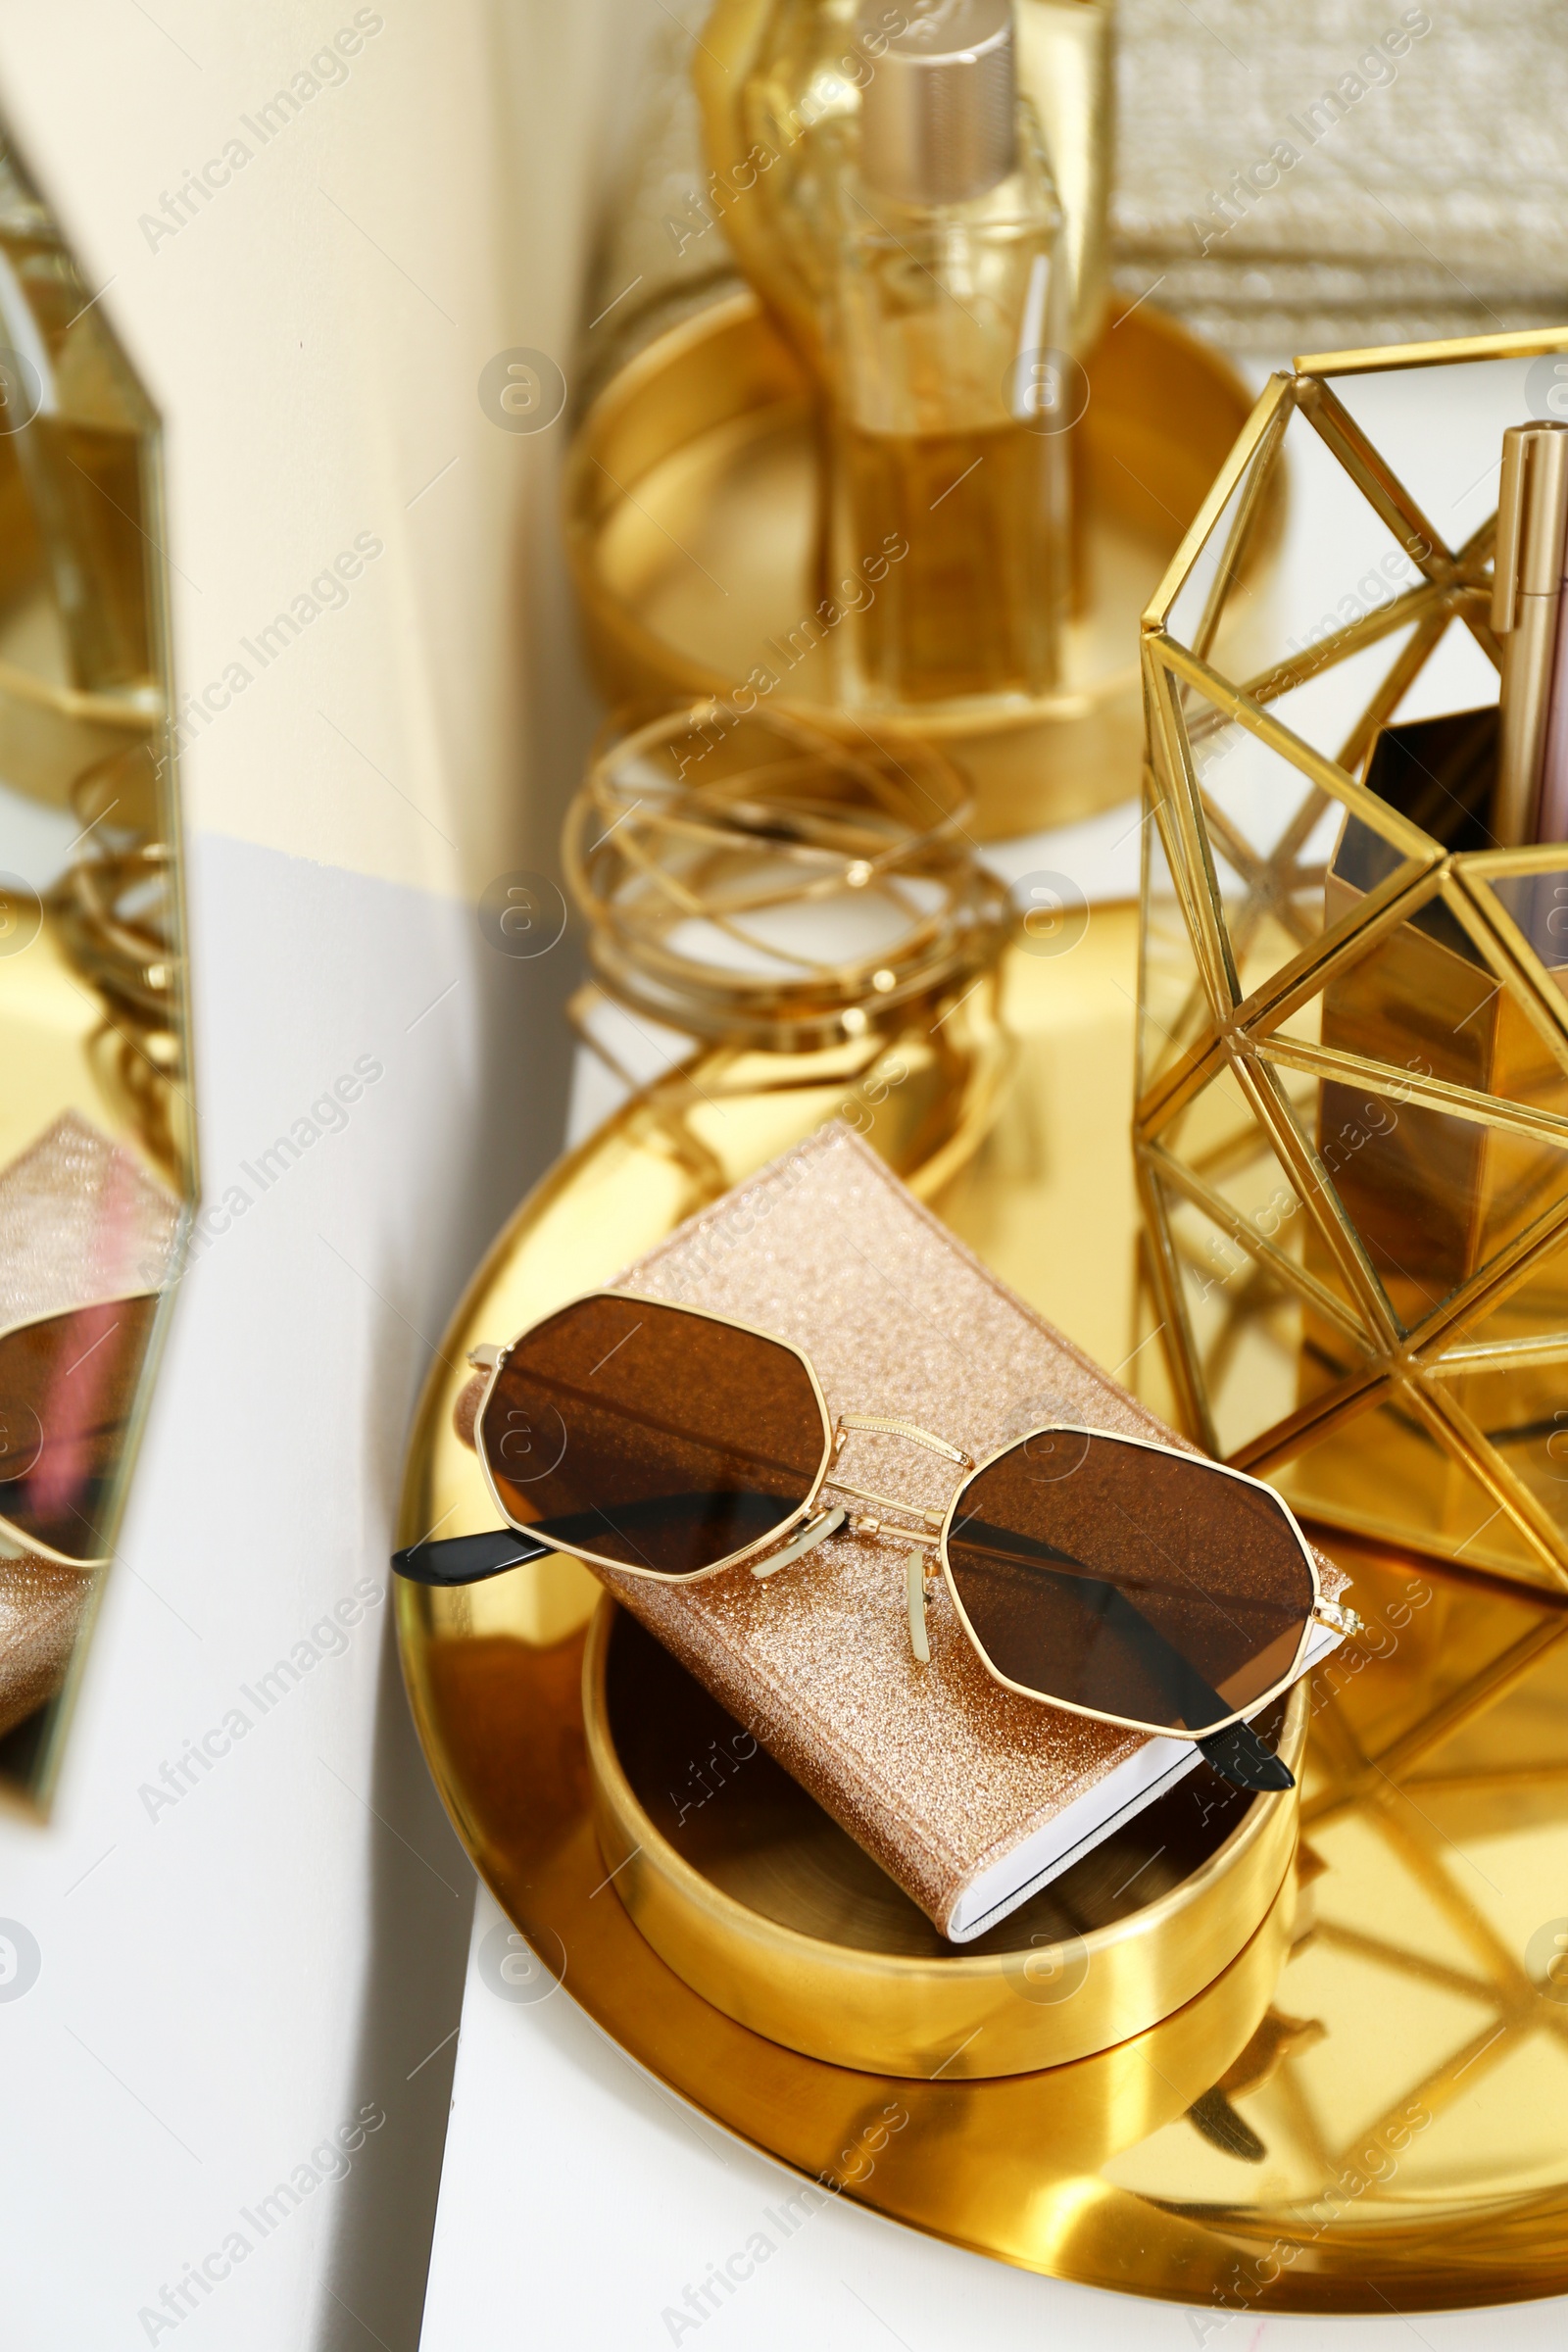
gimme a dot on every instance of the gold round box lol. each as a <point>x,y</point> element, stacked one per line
<point>777,1919</point>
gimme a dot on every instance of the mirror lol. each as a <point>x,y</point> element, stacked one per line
<point>97,1136</point>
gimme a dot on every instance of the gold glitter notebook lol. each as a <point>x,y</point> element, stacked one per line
<point>970,1798</point>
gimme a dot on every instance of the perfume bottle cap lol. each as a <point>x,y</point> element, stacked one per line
<point>938,111</point>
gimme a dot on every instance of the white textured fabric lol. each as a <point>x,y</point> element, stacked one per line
<point>1430,194</point>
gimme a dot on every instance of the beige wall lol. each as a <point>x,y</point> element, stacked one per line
<point>314,335</point>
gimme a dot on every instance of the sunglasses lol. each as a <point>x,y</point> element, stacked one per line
<point>1109,1576</point>
<point>68,1390</point>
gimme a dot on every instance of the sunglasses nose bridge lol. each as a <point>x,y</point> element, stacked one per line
<point>891,1426</point>
<point>928,1517</point>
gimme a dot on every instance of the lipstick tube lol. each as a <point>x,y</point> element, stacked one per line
<point>1552,821</point>
<point>1526,597</point>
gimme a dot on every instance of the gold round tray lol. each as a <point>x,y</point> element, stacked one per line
<point>765,1907</point>
<point>690,502</point>
<point>1390,2136</point>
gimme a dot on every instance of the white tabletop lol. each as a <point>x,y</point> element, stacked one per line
<point>583,2204</point>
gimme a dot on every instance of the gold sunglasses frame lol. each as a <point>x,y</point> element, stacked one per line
<point>931,1527</point>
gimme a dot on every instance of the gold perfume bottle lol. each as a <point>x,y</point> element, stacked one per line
<point>779,84</point>
<point>74,421</point>
<point>950,386</point>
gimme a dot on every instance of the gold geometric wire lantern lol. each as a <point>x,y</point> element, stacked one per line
<point>1351,1125</point>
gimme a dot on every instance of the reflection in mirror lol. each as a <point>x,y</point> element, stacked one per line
<point>97,1137</point>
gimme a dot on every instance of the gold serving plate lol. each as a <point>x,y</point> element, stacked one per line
<point>1363,2113</point>
<point>691,525</point>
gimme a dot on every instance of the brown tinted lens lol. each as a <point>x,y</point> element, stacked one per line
<point>652,1435</point>
<point>67,1387</point>
<point>1139,1584</point>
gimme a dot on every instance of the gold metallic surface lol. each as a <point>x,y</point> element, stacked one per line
<point>690,522</point>
<point>743,1922</point>
<point>1514,343</point>
<point>1406,2088</point>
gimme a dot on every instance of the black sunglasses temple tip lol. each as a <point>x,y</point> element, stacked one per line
<point>1239,1756</point>
<point>466,1560</point>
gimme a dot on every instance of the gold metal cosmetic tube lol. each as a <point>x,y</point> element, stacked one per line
<point>1527,589</point>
